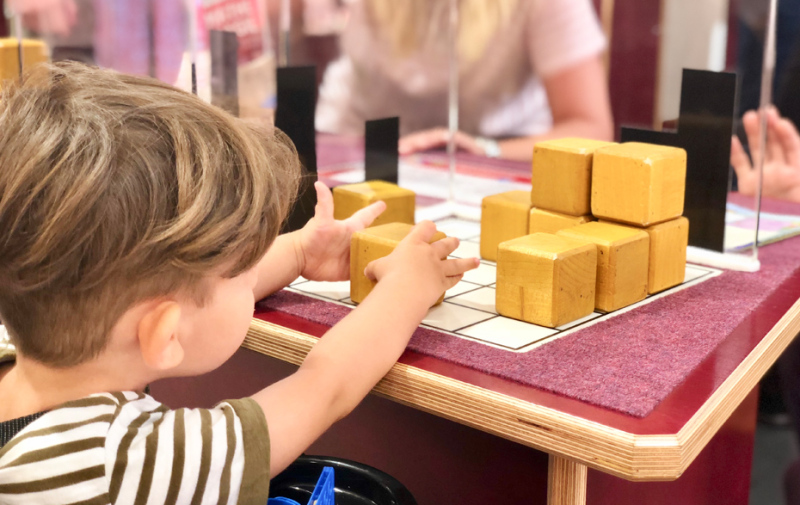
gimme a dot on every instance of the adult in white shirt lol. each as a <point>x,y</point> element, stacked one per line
<point>530,70</point>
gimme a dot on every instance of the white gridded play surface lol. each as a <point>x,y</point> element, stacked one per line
<point>468,310</point>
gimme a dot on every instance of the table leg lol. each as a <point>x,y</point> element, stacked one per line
<point>566,482</point>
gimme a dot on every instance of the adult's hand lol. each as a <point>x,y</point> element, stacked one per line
<point>781,176</point>
<point>438,137</point>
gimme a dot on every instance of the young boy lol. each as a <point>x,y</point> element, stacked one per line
<point>138,228</point>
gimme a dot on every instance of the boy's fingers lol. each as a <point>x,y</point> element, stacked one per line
<point>324,207</point>
<point>370,271</point>
<point>366,216</point>
<point>424,231</point>
<point>456,267</point>
<point>445,246</point>
<point>452,281</point>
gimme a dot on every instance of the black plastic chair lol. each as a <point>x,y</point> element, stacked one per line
<point>356,484</point>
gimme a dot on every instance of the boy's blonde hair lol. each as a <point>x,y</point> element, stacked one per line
<point>116,189</point>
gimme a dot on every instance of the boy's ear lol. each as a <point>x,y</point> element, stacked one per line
<point>158,339</point>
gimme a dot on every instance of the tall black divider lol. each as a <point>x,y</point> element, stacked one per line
<point>381,157</point>
<point>705,126</point>
<point>224,70</point>
<point>297,100</point>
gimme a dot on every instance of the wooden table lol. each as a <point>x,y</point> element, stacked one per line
<point>443,462</point>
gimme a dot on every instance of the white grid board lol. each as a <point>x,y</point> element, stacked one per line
<point>468,310</point>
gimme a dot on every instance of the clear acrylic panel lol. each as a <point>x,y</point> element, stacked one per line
<point>735,37</point>
<point>254,59</point>
<point>406,59</point>
<point>766,198</point>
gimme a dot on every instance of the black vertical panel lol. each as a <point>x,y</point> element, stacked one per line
<point>297,100</point>
<point>705,126</point>
<point>224,70</point>
<point>381,157</point>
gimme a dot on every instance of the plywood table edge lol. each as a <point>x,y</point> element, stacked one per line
<point>625,455</point>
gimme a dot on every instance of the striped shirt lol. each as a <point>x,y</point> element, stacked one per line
<point>127,448</point>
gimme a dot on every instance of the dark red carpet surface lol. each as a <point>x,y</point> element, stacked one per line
<point>628,363</point>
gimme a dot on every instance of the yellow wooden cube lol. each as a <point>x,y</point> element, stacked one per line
<point>622,262</point>
<point>370,244</point>
<point>546,279</point>
<point>561,176</point>
<point>33,51</point>
<point>668,243</point>
<point>503,216</point>
<point>546,221</point>
<point>639,184</point>
<point>350,198</point>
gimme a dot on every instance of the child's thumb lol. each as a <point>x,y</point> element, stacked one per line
<point>370,271</point>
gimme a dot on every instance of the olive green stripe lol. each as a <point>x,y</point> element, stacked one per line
<point>93,401</point>
<point>205,457</point>
<point>225,480</point>
<point>61,428</point>
<point>121,398</point>
<point>121,462</point>
<point>146,481</point>
<point>178,458</point>
<point>55,451</point>
<point>59,481</point>
<point>97,500</point>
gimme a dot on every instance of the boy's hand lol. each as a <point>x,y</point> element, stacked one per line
<point>422,268</point>
<point>324,243</point>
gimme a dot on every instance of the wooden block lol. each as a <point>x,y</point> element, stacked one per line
<point>639,184</point>
<point>33,52</point>
<point>546,221</point>
<point>622,262</point>
<point>546,279</point>
<point>668,243</point>
<point>350,198</point>
<point>370,244</point>
<point>503,216</point>
<point>561,176</point>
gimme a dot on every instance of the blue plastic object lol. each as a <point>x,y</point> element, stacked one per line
<point>281,501</point>
<point>356,483</point>
<point>324,490</point>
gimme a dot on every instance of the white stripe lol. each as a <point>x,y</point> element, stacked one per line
<point>45,441</point>
<point>69,494</point>
<point>135,466</point>
<point>146,404</point>
<point>127,414</point>
<point>237,465</point>
<point>162,472</point>
<point>53,467</point>
<point>131,395</point>
<point>194,451</point>
<point>219,450</point>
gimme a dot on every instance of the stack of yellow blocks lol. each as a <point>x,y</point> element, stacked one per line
<point>539,241</point>
<point>385,233</point>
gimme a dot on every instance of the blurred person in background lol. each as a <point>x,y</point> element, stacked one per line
<point>143,37</point>
<point>530,70</point>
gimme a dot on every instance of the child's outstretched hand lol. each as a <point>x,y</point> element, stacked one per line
<point>325,242</point>
<point>420,268</point>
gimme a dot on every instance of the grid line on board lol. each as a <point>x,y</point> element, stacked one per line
<point>469,312</point>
